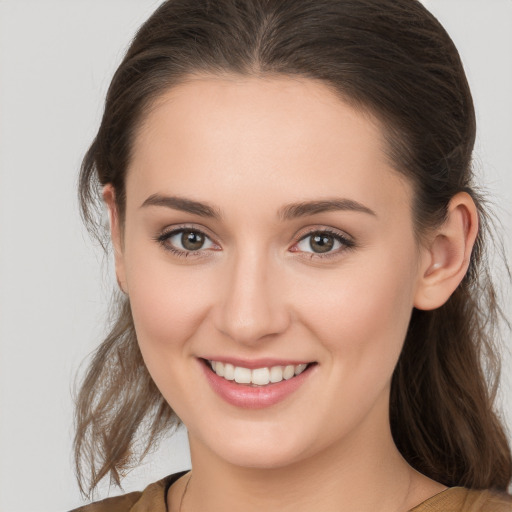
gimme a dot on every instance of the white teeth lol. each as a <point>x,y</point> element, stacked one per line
<point>298,369</point>
<point>229,372</point>
<point>242,375</point>
<point>276,374</point>
<point>258,376</point>
<point>288,372</point>
<point>219,369</point>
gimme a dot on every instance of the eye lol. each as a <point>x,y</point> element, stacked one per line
<point>323,243</point>
<point>186,241</point>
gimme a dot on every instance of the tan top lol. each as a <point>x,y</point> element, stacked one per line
<point>455,499</point>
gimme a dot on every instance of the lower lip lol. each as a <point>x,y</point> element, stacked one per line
<point>253,397</point>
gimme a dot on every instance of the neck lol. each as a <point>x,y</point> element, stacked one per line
<point>363,472</point>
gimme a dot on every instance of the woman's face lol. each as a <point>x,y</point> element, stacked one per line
<point>265,228</point>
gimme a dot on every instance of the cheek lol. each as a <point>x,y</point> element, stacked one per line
<point>362,312</point>
<point>168,302</point>
<point>167,308</point>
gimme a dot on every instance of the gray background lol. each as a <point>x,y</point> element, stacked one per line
<point>56,60</point>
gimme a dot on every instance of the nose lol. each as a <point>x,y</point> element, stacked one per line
<point>252,304</point>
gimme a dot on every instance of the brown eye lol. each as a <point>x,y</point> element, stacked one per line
<point>186,242</point>
<point>321,243</point>
<point>192,240</point>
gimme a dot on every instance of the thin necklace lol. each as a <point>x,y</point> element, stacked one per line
<point>185,491</point>
<point>190,478</point>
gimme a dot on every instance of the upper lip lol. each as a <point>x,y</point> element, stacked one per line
<point>252,364</point>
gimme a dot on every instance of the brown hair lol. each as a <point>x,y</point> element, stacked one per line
<point>393,59</point>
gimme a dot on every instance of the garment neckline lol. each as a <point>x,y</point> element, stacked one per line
<point>440,496</point>
<point>171,479</point>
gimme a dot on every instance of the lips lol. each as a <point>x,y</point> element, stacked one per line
<point>254,386</point>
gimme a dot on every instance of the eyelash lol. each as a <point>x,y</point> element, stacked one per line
<point>164,237</point>
<point>346,242</point>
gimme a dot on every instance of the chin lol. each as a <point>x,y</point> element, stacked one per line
<point>257,456</point>
<point>260,446</point>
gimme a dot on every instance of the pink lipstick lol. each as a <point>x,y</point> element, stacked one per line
<point>246,394</point>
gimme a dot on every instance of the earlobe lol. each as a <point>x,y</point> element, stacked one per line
<point>116,234</point>
<point>447,256</point>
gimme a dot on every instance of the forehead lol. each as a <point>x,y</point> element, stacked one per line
<point>253,135</point>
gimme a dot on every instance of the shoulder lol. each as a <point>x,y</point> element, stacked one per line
<point>459,499</point>
<point>116,504</point>
<point>152,498</point>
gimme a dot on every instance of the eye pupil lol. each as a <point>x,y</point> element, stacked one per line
<point>192,240</point>
<point>321,243</point>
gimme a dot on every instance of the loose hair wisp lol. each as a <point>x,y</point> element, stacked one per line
<point>390,58</point>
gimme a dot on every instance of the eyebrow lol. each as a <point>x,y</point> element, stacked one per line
<point>288,212</point>
<point>293,211</point>
<point>183,204</point>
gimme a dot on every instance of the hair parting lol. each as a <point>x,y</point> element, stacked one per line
<point>392,59</point>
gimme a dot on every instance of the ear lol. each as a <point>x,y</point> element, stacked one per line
<point>116,234</point>
<point>447,254</point>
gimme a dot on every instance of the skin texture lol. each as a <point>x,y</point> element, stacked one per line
<point>248,147</point>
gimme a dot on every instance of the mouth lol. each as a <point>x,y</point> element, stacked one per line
<point>257,387</point>
<point>256,377</point>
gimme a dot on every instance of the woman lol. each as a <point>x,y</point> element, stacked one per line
<point>301,252</point>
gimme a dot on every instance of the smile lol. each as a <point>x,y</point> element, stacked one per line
<point>257,387</point>
<point>256,376</point>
